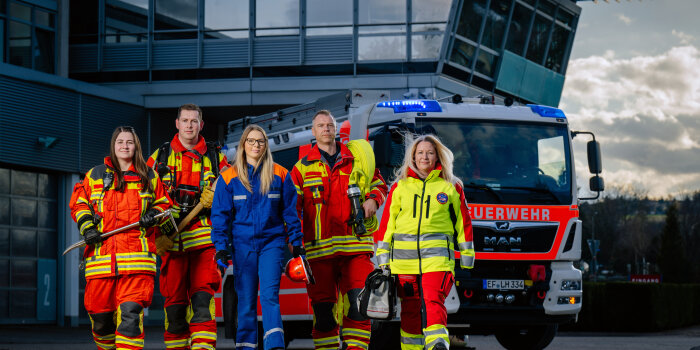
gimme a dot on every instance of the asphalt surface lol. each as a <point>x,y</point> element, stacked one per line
<point>39,337</point>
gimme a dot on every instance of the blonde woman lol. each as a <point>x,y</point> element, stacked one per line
<point>253,201</point>
<point>426,208</point>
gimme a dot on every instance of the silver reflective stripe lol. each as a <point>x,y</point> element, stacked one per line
<point>274,330</point>
<point>466,260</point>
<point>434,236</point>
<point>424,253</point>
<point>404,237</point>
<point>274,195</point>
<point>438,340</point>
<point>383,259</point>
<point>412,341</point>
<point>235,198</point>
<point>439,331</point>
<point>383,245</point>
<point>466,246</point>
<point>248,345</point>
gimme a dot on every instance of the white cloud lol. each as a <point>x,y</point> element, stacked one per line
<point>645,111</point>
<point>685,39</point>
<point>624,19</point>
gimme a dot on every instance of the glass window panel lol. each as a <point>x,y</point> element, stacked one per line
<point>565,17</point>
<point>557,48</point>
<point>276,13</point>
<point>4,273</point>
<point>430,10</point>
<point>4,245</point>
<point>328,12</point>
<point>3,5</point>
<point>2,40</point>
<point>48,245</point>
<point>23,242</point>
<point>23,212</point>
<point>519,27</point>
<point>496,24</point>
<point>84,21</point>
<point>181,14</point>
<point>47,186</point>
<point>46,214</point>
<point>226,34</point>
<point>24,183</point>
<point>470,19</point>
<point>23,273</point>
<point>486,63</point>
<point>44,52</point>
<point>381,11</point>
<point>381,29</point>
<point>226,14</point>
<point>20,40</point>
<point>4,210</point>
<point>4,180</point>
<point>20,11</point>
<point>44,18</point>
<point>23,304</point>
<point>381,48</point>
<point>126,16</point>
<point>538,39</point>
<point>426,46</point>
<point>4,303</point>
<point>546,7</point>
<point>530,2</point>
<point>463,54</point>
<point>329,31</point>
<point>276,32</point>
<point>433,27</point>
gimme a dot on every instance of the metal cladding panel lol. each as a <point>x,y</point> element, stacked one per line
<point>83,58</point>
<point>32,112</point>
<point>321,50</point>
<point>178,54</point>
<point>225,53</point>
<point>125,56</point>
<point>276,52</point>
<point>99,118</point>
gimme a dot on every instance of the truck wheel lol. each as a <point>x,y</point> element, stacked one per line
<point>385,335</point>
<point>230,305</point>
<point>527,337</point>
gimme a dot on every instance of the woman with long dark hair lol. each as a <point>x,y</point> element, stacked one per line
<point>254,211</point>
<point>120,269</point>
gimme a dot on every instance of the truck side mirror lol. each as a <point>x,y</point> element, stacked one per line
<point>595,165</point>
<point>596,184</point>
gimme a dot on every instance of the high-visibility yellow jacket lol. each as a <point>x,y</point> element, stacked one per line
<point>420,221</point>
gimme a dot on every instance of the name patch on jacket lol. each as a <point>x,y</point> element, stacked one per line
<point>442,197</point>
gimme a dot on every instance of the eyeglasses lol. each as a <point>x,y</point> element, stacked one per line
<point>254,141</point>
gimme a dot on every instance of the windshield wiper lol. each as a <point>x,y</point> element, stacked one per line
<point>485,188</point>
<point>534,189</point>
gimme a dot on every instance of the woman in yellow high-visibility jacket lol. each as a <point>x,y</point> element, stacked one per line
<point>425,211</point>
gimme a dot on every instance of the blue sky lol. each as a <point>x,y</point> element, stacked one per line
<point>634,80</point>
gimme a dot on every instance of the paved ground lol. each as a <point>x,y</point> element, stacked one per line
<point>38,337</point>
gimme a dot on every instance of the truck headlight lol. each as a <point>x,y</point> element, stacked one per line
<point>569,300</point>
<point>571,285</point>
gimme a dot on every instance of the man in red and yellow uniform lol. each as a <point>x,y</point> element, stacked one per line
<point>339,259</point>
<point>188,275</point>
<point>120,269</point>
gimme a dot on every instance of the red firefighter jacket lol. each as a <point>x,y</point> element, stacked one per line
<point>324,207</point>
<point>131,251</point>
<point>190,171</point>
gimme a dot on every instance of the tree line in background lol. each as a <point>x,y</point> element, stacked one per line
<point>639,235</point>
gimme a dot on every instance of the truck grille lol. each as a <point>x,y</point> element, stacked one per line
<point>515,237</point>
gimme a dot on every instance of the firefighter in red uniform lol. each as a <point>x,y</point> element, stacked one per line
<point>339,259</point>
<point>188,275</point>
<point>120,269</point>
<point>426,210</point>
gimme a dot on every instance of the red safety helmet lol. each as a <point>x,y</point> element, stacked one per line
<point>298,270</point>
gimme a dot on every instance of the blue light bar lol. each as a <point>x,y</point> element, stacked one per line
<point>546,111</point>
<point>404,106</point>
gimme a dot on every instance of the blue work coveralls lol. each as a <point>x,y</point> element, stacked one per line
<point>255,225</point>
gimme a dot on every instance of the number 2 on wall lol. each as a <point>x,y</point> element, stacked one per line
<point>47,284</point>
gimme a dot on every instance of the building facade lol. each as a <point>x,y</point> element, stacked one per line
<point>72,70</point>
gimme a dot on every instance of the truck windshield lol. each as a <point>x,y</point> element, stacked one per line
<point>506,162</point>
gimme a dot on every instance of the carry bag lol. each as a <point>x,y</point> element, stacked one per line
<point>378,299</point>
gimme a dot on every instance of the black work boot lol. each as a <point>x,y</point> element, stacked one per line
<point>439,346</point>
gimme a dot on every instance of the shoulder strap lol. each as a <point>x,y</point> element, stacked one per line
<point>163,153</point>
<point>213,150</point>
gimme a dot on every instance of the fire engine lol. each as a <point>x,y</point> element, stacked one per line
<point>517,165</point>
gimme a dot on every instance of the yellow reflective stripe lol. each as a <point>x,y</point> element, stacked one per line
<point>357,343</point>
<point>176,343</point>
<point>312,182</point>
<point>318,222</point>
<point>130,341</point>
<point>317,253</point>
<point>357,332</point>
<point>202,346</point>
<point>204,334</point>
<point>326,341</point>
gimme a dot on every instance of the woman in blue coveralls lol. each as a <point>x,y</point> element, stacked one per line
<point>253,201</point>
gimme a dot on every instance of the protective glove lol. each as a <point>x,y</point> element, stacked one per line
<point>149,218</point>
<point>298,250</point>
<point>162,170</point>
<point>92,236</point>
<point>163,244</point>
<point>222,257</point>
<point>207,197</point>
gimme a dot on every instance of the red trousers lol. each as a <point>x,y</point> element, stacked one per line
<point>345,274</point>
<point>127,295</point>
<point>435,288</point>
<point>188,282</point>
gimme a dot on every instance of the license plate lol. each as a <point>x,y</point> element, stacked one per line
<point>504,284</point>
